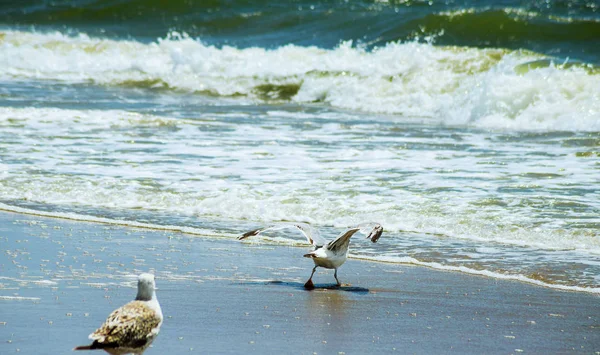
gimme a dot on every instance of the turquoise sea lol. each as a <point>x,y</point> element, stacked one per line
<point>469,129</point>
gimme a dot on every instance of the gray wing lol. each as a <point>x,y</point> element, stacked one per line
<point>372,230</point>
<point>311,234</point>
<point>341,243</point>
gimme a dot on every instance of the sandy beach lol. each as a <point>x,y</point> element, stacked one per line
<point>60,279</point>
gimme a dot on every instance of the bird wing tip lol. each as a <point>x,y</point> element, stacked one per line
<point>375,233</point>
<point>250,234</point>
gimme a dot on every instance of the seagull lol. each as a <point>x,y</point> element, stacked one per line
<point>131,328</point>
<point>330,255</point>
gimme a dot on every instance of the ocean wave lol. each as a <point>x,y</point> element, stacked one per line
<point>512,24</point>
<point>451,85</point>
<point>501,26</point>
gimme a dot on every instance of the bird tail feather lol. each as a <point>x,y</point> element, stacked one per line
<point>96,345</point>
<point>83,347</point>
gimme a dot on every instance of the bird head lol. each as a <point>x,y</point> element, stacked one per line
<point>146,287</point>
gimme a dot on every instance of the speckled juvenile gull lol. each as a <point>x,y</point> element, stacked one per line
<point>131,328</point>
<point>329,255</point>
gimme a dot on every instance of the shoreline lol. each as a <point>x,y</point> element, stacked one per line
<point>221,296</point>
<point>194,231</point>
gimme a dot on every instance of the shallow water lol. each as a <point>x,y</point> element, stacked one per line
<point>474,158</point>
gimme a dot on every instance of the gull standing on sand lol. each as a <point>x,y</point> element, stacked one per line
<point>329,255</point>
<point>131,328</point>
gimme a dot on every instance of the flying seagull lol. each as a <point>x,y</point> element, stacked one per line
<point>131,328</point>
<point>330,255</point>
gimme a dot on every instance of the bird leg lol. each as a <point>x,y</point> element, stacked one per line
<point>336,279</point>
<point>309,284</point>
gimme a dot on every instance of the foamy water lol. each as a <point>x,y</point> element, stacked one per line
<point>447,85</point>
<point>470,159</point>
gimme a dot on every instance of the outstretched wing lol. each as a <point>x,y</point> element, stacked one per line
<point>341,243</point>
<point>311,234</point>
<point>372,230</point>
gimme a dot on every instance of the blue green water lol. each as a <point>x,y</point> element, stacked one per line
<point>557,28</point>
<point>469,130</point>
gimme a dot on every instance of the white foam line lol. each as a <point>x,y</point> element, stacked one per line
<point>19,298</point>
<point>44,282</point>
<point>487,273</point>
<point>37,282</point>
<point>117,222</point>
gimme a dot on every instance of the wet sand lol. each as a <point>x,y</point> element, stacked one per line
<point>59,280</point>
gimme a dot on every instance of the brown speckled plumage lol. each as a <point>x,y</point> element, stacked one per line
<point>132,328</point>
<point>129,326</point>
